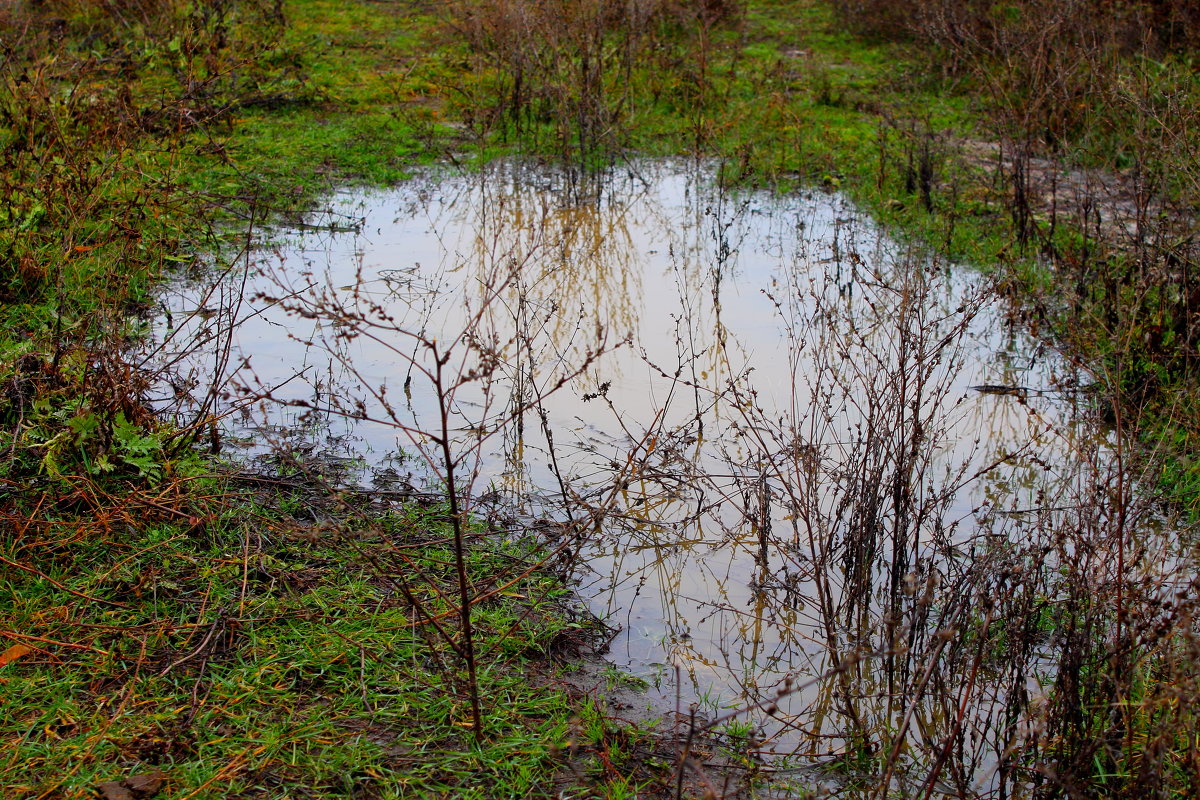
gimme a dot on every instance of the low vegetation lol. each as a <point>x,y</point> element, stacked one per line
<point>265,635</point>
<point>1091,106</point>
<point>252,638</point>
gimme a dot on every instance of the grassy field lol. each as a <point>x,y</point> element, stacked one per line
<point>262,636</point>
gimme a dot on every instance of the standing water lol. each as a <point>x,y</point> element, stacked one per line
<point>801,465</point>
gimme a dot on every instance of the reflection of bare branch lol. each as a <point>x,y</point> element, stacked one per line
<point>826,499</point>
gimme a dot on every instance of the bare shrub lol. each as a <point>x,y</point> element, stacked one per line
<point>567,65</point>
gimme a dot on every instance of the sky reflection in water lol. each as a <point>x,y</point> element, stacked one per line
<point>753,341</point>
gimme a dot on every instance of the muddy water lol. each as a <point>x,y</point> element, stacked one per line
<point>759,410</point>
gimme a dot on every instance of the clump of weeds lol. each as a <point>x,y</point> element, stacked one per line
<point>570,76</point>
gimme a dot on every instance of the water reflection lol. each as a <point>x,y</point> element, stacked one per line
<point>757,408</point>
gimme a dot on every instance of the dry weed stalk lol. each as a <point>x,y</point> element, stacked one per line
<point>482,384</point>
<point>566,67</point>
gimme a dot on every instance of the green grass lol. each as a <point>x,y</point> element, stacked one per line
<point>255,652</point>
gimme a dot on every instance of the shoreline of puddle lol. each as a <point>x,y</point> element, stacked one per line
<point>720,294</point>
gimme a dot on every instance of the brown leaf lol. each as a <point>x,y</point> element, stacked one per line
<point>115,790</point>
<point>135,787</point>
<point>146,784</point>
<point>13,653</point>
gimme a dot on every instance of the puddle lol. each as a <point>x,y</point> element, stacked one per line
<point>765,414</point>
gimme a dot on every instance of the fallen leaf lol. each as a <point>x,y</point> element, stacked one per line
<point>13,653</point>
<point>115,790</point>
<point>146,784</point>
<point>135,787</point>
